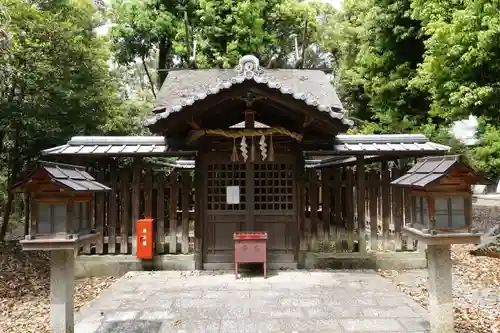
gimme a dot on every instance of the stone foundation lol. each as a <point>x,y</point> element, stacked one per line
<point>371,260</point>
<point>119,265</point>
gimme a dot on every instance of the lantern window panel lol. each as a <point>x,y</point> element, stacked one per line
<point>442,213</point>
<point>51,218</point>
<point>85,225</point>
<point>458,212</point>
<point>81,216</point>
<point>59,217</point>
<point>44,221</point>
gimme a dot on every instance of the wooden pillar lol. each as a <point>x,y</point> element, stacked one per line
<point>27,211</point>
<point>100,214</point>
<point>86,247</point>
<point>160,213</point>
<point>313,194</point>
<point>250,196</point>
<point>360,191</point>
<point>136,200</point>
<point>349,201</point>
<point>397,216</point>
<point>112,212</point>
<point>326,209</point>
<point>185,192</point>
<point>172,211</point>
<point>148,193</point>
<point>373,188</point>
<point>337,203</point>
<point>386,211</point>
<point>124,210</point>
<point>199,207</point>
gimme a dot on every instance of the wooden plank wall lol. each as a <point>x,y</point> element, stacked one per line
<point>387,210</point>
<point>139,192</point>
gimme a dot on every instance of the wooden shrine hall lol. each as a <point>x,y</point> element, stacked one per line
<point>250,149</point>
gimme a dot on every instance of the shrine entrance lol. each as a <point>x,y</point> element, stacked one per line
<point>257,196</point>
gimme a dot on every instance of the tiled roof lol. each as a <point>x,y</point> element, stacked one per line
<point>386,143</point>
<point>71,176</point>
<point>184,87</point>
<point>111,146</point>
<point>156,145</point>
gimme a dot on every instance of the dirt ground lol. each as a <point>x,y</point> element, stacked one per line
<point>476,290</point>
<point>24,290</point>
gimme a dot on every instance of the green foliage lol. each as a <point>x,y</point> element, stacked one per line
<point>418,66</point>
<point>55,82</point>
<point>461,67</point>
<point>377,71</point>
<point>224,30</point>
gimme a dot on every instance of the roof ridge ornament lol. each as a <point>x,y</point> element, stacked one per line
<point>249,67</point>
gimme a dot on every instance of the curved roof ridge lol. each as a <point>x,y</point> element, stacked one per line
<point>184,88</point>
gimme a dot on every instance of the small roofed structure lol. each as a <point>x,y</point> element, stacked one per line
<point>60,206</point>
<point>441,190</point>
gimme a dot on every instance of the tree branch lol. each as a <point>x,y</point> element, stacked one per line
<point>152,85</point>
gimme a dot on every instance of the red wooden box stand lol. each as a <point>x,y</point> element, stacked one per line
<point>250,247</point>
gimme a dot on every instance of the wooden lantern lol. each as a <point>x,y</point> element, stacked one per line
<point>61,197</point>
<point>441,193</point>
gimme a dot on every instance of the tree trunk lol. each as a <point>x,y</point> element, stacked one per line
<point>164,61</point>
<point>14,166</point>
<point>151,84</point>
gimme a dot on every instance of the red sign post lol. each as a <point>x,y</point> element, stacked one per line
<point>250,247</point>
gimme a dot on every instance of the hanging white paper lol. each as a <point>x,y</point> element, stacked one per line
<point>232,195</point>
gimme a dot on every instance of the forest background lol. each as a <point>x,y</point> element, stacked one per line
<point>400,66</point>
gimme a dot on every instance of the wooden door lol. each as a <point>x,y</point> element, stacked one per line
<point>274,208</point>
<point>267,200</point>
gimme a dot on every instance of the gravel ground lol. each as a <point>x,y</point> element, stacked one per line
<point>24,290</point>
<point>476,290</point>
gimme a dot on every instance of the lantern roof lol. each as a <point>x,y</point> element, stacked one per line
<point>73,177</point>
<point>429,170</point>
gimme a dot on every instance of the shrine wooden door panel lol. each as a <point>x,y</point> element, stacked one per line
<point>223,219</point>
<point>274,208</point>
<point>266,203</point>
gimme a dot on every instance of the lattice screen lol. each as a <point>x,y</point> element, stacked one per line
<point>222,175</point>
<point>273,186</point>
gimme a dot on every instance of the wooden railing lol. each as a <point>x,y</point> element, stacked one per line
<point>142,193</point>
<point>330,220</point>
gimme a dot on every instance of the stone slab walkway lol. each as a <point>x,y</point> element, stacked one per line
<point>286,302</point>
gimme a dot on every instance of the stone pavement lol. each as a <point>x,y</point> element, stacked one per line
<point>286,302</point>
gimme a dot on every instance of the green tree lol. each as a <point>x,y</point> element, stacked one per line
<point>54,81</point>
<point>461,69</point>
<point>377,73</point>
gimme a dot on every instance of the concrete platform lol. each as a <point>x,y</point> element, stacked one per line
<point>288,301</point>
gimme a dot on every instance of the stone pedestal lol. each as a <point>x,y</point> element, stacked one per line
<point>62,272</point>
<point>440,288</point>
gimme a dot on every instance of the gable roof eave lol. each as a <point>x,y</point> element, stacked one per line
<point>186,88</point>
